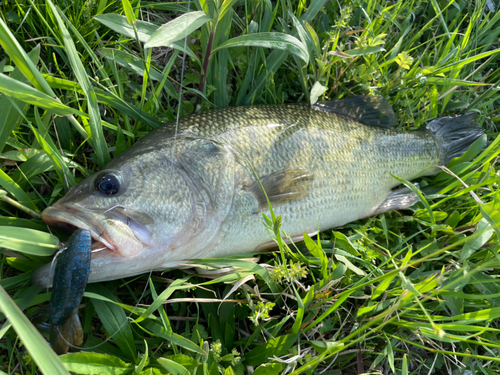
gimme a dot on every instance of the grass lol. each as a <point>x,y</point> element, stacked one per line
<point>411,292</point>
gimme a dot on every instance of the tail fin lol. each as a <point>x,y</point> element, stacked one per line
<point>455,134</point>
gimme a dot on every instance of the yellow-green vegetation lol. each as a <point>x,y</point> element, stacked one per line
<point>410,292</point>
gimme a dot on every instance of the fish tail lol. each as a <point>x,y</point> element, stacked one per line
<point>455,134</point>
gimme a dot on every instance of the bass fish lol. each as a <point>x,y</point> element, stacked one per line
<point>195,191</point>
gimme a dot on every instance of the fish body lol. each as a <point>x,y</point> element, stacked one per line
<point>195,191</point>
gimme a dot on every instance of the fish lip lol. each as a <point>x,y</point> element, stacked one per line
<point>57,214</point>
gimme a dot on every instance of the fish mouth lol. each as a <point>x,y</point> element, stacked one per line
<point>110,228</point>
<point>69,219</point>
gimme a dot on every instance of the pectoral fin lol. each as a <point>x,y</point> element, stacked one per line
<point>282,187</point>
<point>398,200</point>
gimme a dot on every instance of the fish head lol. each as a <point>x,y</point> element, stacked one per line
<point>138,210</point>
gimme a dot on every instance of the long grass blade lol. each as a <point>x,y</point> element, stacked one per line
<point>9,116</point>
<point>99,142</point>
<point>12,47</point>
<point>28,241</point>
<point>145,30</point>
<point>36,345</point>
<point>177,29</point>
<point>27,94</point>
<point>272,40</point>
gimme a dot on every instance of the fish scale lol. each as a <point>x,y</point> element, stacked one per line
<point>197,195</point>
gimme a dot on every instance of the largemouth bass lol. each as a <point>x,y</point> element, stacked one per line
<point>171,198</point>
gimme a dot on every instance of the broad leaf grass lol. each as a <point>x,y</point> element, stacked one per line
<point>408,292</point>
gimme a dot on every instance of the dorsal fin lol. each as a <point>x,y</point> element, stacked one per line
<point>369,110</point>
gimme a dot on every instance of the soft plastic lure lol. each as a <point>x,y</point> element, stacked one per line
<point>70,279</point>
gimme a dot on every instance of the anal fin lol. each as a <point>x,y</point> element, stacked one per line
<point>282,187</point>
<point>398,199</point>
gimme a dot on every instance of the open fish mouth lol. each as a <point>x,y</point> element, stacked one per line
<point>69,219</point>
<point>113,228</point>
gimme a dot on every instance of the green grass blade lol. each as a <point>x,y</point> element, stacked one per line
<point>460,64</point>
<point>173,367</point>
<point>177,284</point>
<point>145,30</point>
<point>486,231</point>
<point>312,10</point>
<point>227,5</point>
<point>115,321</point>
<point>416,191</point>
<point>454,82</point>
<point>169,87</point>
<point>273,63</point>
<point>15,190</point>
<point>492,215</point>
<point>272,40</point>
<point>96,363</point>
<point>435,5</point>
<point>382,287</point>
<point>316,91</point>
<point>135,64</point>
<point>144,360</point>
<point>364,51</point>
<point>274,347</point>
<point>12,47</point>
<point>330,310</point>
<point>99,142</point>
<point>109,98</point>
<point>222,63</point>
<point>100,69</point>
<point>9,116</point>
<point>262,272</point>
<point>28,241</point>
<point>172,337</point>
<point>174,7</point>
<point>23,92</point>
<point>304,37</point>
<point>56,158</point>
<point>130,62</point>
<point>129,12</point>
<point>128,109</point>
<point>177,29</point>
<point>252,68</point>
<point>15,281</point>
<point>37,346</point>
<point>119,24</point>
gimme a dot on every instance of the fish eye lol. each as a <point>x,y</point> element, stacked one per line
<point>108,183</point>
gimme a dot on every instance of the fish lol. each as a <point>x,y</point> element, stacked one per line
<point>69,282</point>
<point>196,189</point>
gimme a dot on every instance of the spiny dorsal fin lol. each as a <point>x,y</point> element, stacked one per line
<point>283,186</point>
<point>369,110</point>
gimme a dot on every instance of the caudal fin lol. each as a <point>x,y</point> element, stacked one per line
<point>455,134</point>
